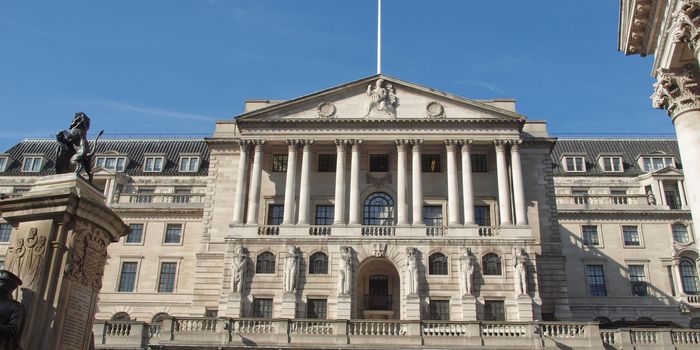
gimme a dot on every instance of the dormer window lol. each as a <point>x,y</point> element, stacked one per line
<point>189,164</point>
<point>113,163</point>
<point>574,164</point>
<point>4,162</point>
<point>611,164</point>
<point>656,162</point>
<point>32,164</point>
<point>153,164</point>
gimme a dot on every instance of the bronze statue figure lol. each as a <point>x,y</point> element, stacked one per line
<point>11,311</point>
<point>74,148</point>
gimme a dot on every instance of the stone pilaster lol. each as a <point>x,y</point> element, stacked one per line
<point>339,209</point>
<point>518,186</point>
<point>241,182</point>
<point>467,186</point>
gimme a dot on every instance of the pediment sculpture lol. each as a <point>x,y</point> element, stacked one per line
<point>382,98</point>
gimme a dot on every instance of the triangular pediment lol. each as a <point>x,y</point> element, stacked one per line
<point>668,171</point>
<point>382,97</point>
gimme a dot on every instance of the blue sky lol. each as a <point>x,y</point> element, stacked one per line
<point>176,66</point>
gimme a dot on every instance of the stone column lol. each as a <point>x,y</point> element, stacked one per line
<point>339,209</point>
<point>290,184</point>
<point>254,191</point>
<point>452,186</point>
<point>241,181</point>
<point>401,203</point>
<point>304,186</point>
<point>354,217</point>
<point>503,188</point>
<point>467,186</point>
<point>686,26</point>
<point>681,193</point>
<point>417,183</point>
<point>518,186</point>
<point>662,192</point>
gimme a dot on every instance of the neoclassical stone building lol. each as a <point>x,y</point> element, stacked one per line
<point>381,209</point>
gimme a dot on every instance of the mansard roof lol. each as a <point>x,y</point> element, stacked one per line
<point>629,149</point>
<point>134,149</point>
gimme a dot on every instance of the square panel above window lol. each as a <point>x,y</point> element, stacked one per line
<point>32,164</point>
<point>574,164</point>
<point>188,164</point>
<point>153,164</point>
<point>113,163</point>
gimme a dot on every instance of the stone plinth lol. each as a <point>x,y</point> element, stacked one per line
<point>468,308</point>
<point>289,305</point>
<point>233,305</point>
<point>344,307</point>
<point>412,308</point>
<point>58,248</point>
<point>524,308</point>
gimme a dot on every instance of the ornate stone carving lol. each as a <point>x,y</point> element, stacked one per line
<point>292,145</point>
<point>345,271</point>
<point>382,98</point>
<point>468,266</point>
<point>686,26</point>
<point>416,145</point>
<point>379,181</point>
<point>27,257</point>
<point>401,145</point>
<point>640,18</point>
<point>677,90</point>
<point>435,110</point>
<point>379,249</point>
<point>355,144</point>
<point>500,145</point>
<point>291,269</point>
<point>88,254</point>
<point>325,110</point>
<point>340,145</point>
<point>466,145</point>
<point>520,271</point>
<point>238,270</point>
<point>411,271</point>
<point>451,144</point>
<point>306,145</point>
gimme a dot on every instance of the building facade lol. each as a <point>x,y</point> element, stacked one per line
<point>384,208</point>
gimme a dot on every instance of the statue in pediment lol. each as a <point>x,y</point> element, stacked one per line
<point>382,98</point>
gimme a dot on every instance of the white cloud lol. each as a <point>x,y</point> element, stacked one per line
<point>159,112</point>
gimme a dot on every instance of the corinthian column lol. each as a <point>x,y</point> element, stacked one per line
<point>452,186</point>
<point>401,203</point>
<point>503,188</point>
<point>254,192</point>
<point>354,217</point>
<point>417,181</point>
<point>290,185</point>
<point>304,188</point>
<point>686,25</point>
<point>339,209</point>
<point>239,199</point>
<point>677,91</point>
<point>467,187</point>
<point>518,187</point>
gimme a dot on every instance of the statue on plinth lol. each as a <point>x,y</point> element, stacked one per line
<point>238,270</point>
<point>291,269</point>
<point>11,311</point>
<point>411,271</point>
<point>520,271</point>
<point>651,199</point>
<point>382,98</point>
<point>468,267</point>
<point>74,149</point>
<point>345,271</point>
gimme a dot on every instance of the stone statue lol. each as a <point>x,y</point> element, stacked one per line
<point>651,199</point>
<point>345,271</point>
<point>11,311</point>
<point>520,271</point>
<point>468,267</point>
<point>238,270</point>
<point>411,271</point>
<point>74,148</point>
<point>382,98</point>
<point>291,269</point>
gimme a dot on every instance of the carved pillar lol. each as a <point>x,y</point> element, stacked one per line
<point>686,25</point>
<point>241,181</point>
<point>503,188</point>
<point>401,203</point>
<point>452,186</point>
<point>467,187</point>
<point>254,191</point>
<point>290,184</point>
<point>417,183</point>
<point>354,217</point>
<point>518,186</point>
<point>339,209</point>
<point>304,186</point>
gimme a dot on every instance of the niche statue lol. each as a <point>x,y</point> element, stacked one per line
<point>468,266</point>
<point>345,270</point>
<point>291,269</point>
<point>411,271</point>
<point>520,271</point>
<point>74,149</point>
<point>238,270</point>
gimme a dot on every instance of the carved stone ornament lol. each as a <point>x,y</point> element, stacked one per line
<point>326,110</point>
<point>27,257</point>
<point>379,249</point>
<point>238,270</point>
<point>677,90</point>
<point>640,18</point>
<point>88,254</point>
<point>686,25</point>
<point>435,110</point>
<point>378,181</point>
<point>382,98</point>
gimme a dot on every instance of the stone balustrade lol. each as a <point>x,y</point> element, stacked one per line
<point>436,231</point>
<point>381,231</point>
<point>604,201</point>
<point>320,230</point>
<point>409,231</point>
<point>693,299</point>
<point>160,198</point>
<point>489,231</point>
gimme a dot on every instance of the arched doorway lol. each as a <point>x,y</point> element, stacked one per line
<point>378,290</point>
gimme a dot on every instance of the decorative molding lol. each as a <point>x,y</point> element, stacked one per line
<point>355,144</point>
<point>435,110</point>
<point>500,145</point>
<point>326,110</point>
<point>379,181</point>
<point>677,90</point>
<point>638,27</point>
<point>401,145</point>
<point>451,144</point>
<point>292,145</point>
<point>686,24</point>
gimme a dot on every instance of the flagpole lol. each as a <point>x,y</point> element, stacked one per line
<point>379,36</point>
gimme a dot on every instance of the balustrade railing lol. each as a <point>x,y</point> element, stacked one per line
<point>188,325</point>
<point>603,199</point>
<point>118,329</point>
<point>503,329</point>
<point>255,326</point>
<point>608,337</point>
<point>644,337</point>
<point>562,330</point>
<point>693,299</point>
<point>320,230</point>
<point>268,230</point>
<point>685,337</point>
<point>311,327</point>
<point>377,328</point>
<point>378,230</point>
<point>489,231</point>
<point>435,231</point>
<point>445,329</point>
<point>155,198</point>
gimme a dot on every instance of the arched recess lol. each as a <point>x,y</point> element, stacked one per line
<point>378,292</point>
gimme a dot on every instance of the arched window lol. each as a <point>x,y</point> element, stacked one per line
<point>121,316</point>
<point>318,263</point>
<point>680,233</point>
<point>159,317</point>
<point>265,263</point>
<point>437,264</point>
<point>694,323</point>
<point>602,319</point>
<point>379,209</point>
<point>689,277</point>
<point>491,264</point>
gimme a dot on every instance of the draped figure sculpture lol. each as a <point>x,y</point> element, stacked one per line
<point>345,271</point>
<point>520,271</point>
<point>291,269</point>
<point>468,266</point>
<point>411,271</point>
<point>238,270</point>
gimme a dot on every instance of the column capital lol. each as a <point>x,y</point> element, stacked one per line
<point>466,145</point>
<point>306,144</point>
<point>293,144</point>
<point>500,145</point>
<point>258,143</point>
<point>244,145</point>
<point>685,27</point>
<point>401,145</point>
<point>355,144</point>
<point>340,144</point>
<point>450,144</point>
<point>416,144</point>
<point>515,145</point>
<point>677,90</point>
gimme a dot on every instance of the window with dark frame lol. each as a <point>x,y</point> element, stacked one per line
<point>275,214</point>
<point>630,235</point>
<point>318,263</point>
<point>327,163</point>
<point>279,163</point>
<point>439,310</point>
<point>173,233</point>
<point>479,163</point>
<point>262,307</point>
<point>379,163</point>
<point>166,282</point>
<point>378,209</point>
<point>595,276</point>
<point>265,263</point>
<point>494,310</point>
<point>689,277</point>
<point>135,235</point>
<point>590,235</point>
<point>5,232</point>
<point>437,264</point>
<point>680,233</point>
<point>491,264</point>
<point>127,278</point>
<point>430,163</point>
<point>482,215</point>
<point>324,214</point>
<point>638,280</point>
<point>432,215</point>
<point>316,308</point>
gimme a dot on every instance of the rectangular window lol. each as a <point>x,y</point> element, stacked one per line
<point>479,163</point>
<point>189,164</point>
<point>482,215</point>
<point>275,214</point>
<point>3,163</point>
<point>211,313</point>
<point>166,282</point>
<point>612,164</point>
<point>680,233</point>
<point>590,235</point>
<point>439,310</point>
<point>316,308</point>
<point>672,199</point>
<point>630,235</point>
<point>575,164</point>
<point>324,214</point>
<point>136,234</point>
<point>153,164</point>
<point>379,163</point>
<point>327,163</point>
<point>32,164</point>
<point>656,163</point>
<point>262,307</point>
<point>432,215</point>
<point>173,233</point>
<point>430,163</point>
<point>494,310</point>
<point>117,164</point>
<point>638,280</point>
<point>279,163</point>
<point>5,232</point>
<point>127,278</point>
<point>596,280</point>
